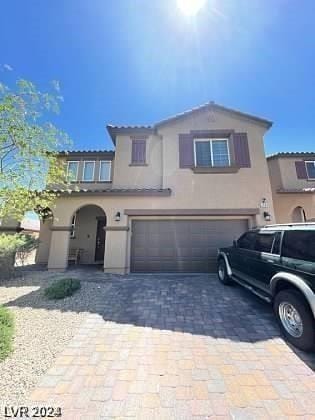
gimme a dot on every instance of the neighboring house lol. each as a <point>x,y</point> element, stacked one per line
<point>166,199</point>
<point>292,177</point>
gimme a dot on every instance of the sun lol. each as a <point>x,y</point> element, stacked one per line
<point>190,7</point>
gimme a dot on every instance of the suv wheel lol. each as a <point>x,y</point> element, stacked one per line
<point>222,272</point>
<point>295,319</point>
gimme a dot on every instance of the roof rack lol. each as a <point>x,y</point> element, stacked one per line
<point>290,224</point>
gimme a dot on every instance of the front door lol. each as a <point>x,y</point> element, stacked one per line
<point>100,240</point>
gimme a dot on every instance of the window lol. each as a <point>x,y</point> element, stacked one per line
<point>264,242</point>
<point>72,170</point>
<point>214,152</point>
<point>138,153</point>
<point>310,168</point>
<point>88,171</point>
<point>105,169</point>
<point>299,245</point>
<point>276,244</point>
<point>73,222</point>
<point>247,241</point>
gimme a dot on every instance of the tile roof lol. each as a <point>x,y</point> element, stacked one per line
<point>291,154</point>
<point>308,190</point>
<point>113,129</point>
<point>67,152</point>
<point>115,191</point>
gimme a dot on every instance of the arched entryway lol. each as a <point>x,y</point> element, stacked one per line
<point>298,215</point>
<point>87,235</point>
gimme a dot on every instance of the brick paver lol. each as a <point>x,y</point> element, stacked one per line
<point>179,347</point>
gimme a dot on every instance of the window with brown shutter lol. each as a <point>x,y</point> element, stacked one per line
<point>138,153</point>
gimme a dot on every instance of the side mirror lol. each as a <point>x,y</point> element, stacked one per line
<point>235,243</point>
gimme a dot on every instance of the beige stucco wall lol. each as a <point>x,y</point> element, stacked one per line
<point>289,177</point>
<point>244,189</point>
<point>44,242</point>
<point>283,176</point>
<point>286,203</point>
<point>127,176</point>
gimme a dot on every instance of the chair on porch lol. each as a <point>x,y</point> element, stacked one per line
<point>74,255</point>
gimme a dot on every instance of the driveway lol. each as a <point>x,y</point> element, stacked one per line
<point>178,347</point>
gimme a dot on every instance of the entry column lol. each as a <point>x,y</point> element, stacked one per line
<point>116,244</point>
<point>59,248</point>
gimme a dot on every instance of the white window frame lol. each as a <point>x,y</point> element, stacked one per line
<point>76,175</point>
<point>211,140</point>
<point>84,163</point>
<point>306,162</point>
<point>110,171</point>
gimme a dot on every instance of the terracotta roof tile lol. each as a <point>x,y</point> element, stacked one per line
<point>291,154</point>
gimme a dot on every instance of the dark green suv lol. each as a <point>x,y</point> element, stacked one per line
<point>277,263</point>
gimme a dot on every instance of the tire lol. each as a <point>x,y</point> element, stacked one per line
<point>222,272</point>
<point>297,326</point>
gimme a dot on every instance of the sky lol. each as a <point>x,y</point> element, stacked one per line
<point>140,61</point>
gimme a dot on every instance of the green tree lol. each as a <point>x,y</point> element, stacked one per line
<point>29,146</point>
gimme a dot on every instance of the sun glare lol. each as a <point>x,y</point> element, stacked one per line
<point>190,7</point>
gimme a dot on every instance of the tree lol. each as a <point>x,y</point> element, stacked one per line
<point>29,146</point>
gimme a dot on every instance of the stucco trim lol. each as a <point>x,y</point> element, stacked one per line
<point>191,212</point>
<point>119,193</point>
<point>215,170</point>
<point>16,229</point>
<point>296,191</point>
<point>138,164</point>
<point>61,228</point>
<point>211,133</point>
<point>116,228</point>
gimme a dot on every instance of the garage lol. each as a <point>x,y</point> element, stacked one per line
<point>181,245</point>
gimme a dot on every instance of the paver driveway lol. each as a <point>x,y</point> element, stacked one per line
<point>179,347</point>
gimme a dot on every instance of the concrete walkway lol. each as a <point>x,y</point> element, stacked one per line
<point>179,347</point>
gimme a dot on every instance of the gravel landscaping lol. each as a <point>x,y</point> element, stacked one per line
<point>42,328</point>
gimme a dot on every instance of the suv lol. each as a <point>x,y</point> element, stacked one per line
<point>277,263</point>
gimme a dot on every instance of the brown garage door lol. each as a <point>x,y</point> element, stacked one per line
<point>180,245</point>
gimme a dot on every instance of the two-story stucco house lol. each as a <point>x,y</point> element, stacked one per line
<point>292,177</point>
<point>166,198</point>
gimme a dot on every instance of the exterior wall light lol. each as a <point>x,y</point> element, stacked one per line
<point>117,217</point>
<point>267,216</point>
<point>264,203</point>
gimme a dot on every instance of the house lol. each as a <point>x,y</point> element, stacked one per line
<point>292,177</point>
<point>166,198</point>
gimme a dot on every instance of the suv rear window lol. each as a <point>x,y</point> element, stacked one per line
<point>299,245</point>
<point>247,241</point>
<point>264,242</point>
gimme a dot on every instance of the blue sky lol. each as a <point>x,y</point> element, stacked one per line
<point>139,61</point>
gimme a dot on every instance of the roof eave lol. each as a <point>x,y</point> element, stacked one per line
<point>212,105</point>
<point>114,131</point>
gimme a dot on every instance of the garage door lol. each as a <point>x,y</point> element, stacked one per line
<point>180,245</point>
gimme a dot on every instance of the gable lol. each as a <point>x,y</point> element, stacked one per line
<point>213,110</point>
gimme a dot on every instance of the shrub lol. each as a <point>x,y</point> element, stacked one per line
<point>6,332</point>
<point>10,246</point>
<point>62,288</point>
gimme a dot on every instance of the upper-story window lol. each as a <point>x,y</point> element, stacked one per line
<point>310,169</point>
<point>138,152</point>
<point>105,170</point>
<point>88,170</point>
<point>72,170</point>
<point>212,152</point>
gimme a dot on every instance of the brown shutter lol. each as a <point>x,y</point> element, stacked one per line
<point>186,151</point>
<point>138,151</point>
<point>301,169</point>
<point>241,150</point>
